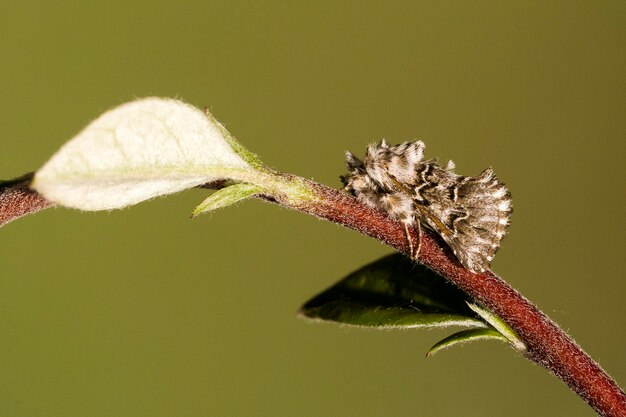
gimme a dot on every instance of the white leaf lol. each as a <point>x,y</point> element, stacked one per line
<point>137,151</point>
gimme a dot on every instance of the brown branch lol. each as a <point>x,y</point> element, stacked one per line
<point>546,343</point>
<point>17,200</point>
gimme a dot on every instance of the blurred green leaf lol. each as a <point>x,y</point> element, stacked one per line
<point>393,292</point>
<point>466,336</point>
<point>227,196</point>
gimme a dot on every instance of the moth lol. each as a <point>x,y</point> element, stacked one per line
<point>470,214</point>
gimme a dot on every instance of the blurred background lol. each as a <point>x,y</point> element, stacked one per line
<point>144,312</point>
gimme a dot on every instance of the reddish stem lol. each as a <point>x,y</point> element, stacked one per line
<point>17,200</point>
<point>546,343</point>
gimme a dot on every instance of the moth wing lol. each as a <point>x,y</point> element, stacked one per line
<point>479,219</point>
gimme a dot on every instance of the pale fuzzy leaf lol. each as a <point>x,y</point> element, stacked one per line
<point>227,196</point>
<point>465,336</point>
<point>137,151</point>
<point>249,157</point>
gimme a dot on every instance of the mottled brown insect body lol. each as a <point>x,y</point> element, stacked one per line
<point>471,214</point>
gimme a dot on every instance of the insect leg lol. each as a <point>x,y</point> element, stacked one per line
<point>418,229</point>
<point>414,252</point>
<point>408,238</point>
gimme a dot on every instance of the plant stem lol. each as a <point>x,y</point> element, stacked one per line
<point>546,343</point>
<point>17,200</point>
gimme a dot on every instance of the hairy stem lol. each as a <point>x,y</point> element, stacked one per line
<point>546,343</point>
<point>17,200</point>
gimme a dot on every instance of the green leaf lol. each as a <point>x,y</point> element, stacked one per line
<point>227,196</point>
<point>393,292</point>
<point>466,336</point>
<point>499,325</point>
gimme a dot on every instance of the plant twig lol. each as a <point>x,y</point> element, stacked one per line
<point>17,200</point>
<point>546,343</point>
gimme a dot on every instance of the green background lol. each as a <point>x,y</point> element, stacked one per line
<point>144,312</point>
